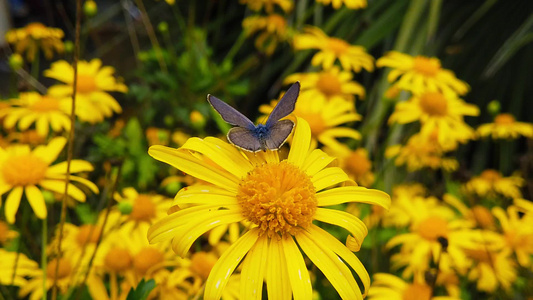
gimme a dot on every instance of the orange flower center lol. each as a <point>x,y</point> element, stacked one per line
<point>329,84</point>
<point>63,270</point>
<point>147,258</point>
<point>4,232</point>
<point>481,255</point>
<point>279,198</point>
<point>202,263</point>
<point>143,209</point>
<point>24,170</point>
<point>491,175</point>
<point>46,104</point>
<point>86,84</point>
<point>504,119</point>
<point>357,164</point>
<point>417,291</point>
<point>118,259</point>
<point>483,216</point>
<point>88,234</point>
<point>434,104</point>
<point>426,66</point>
<point>432,228</point>
<point>338,46</point>
<point>276,23</point>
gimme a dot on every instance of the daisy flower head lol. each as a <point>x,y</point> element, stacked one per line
<point>94,82</point>
<point>269,5</point>
<point>272,31</point>
<point>491,183</point>
<point>351,4</point>
<point>36,36</point>
<point>505,126</point>
<point>331,84</point>
<point>14,267</point>
<point>517,233</point>
<point>420,73</point>
<point>439,114</point>
<point>351,57</point>
<point>356,164</point>
<point>43,110</point>
<point>491,269</point>
<point>281,198</point>
<point>324,118</point>
<point>23,169</point>
<point>387,286</point>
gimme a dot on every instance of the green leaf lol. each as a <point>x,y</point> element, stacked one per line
<point>86,215</point>
<point>141,292</point>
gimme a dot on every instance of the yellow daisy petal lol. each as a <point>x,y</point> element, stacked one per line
<point>329,177</point>
<point>277,279</point>
<point>353,194</point>
<point>36,200</point>
<point>343,219</point>
<point>254,269</point>
<point>298,274</point>
<point>12,204</point>
<point>300,143</point>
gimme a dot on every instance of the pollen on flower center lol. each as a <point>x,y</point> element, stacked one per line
<point>24,170</point>
<point>434,104</point>
<point>338,46</point>
<point>432,228</point>
<point>329,84</point>
<point>86,84</point>
<point>426,65</point>
<point>147,258</point>
<point>143,209</point>
<point>46,104</point>
<point>279,198</point>
<point>504,119</point>
<point>88,234</point>
<point>490,175</point>
<point>417,291</point>
<point>63,270</point>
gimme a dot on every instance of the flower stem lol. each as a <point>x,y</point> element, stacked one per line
<point>44,242</point>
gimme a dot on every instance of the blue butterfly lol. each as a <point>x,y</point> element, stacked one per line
<point>270,135</point>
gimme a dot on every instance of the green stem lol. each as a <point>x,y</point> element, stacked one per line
<point>43,254</point>
<point>410,21</point>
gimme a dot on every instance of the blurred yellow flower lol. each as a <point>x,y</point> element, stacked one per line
<point>244,186</point>
<point>14,267</point>
<point>93,102</point>
<point>491,183</point>
<point>356,164</point>
<point>478,215</point>
<point>273,30</point>
<point>505,127</point>
<point>402,194</point>
<point>351,58</point>
<point>421,152</point>
<point>492,269</point>
<point>420,74</point>
<point>6,234</point>
<point>517,232</point>
<point>440,115</point>
<point>324,118</point>
<point>44,111</point>
<point>331,84</point>
<point>34,36</point>
<point>22,170</point>
<point>269,5</point>
<point>388,286</point>
<point>351,4</point>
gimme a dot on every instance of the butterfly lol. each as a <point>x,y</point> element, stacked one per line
<point>270,135</point>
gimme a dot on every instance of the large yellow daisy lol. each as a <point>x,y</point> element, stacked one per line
<point>420,73</point>
<point>505,126</point>
<point>34,36</point>
<point>93,102</point>
<point>22,170</point>
<point>351,4</point>
<point>281,199</point>
<point>331,84</point>
<point>331,49</point>
<point>44,111</point>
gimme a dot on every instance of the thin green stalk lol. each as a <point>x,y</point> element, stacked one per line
<point>151,35</point>
<point>410,21</point>
<point>44,242</point>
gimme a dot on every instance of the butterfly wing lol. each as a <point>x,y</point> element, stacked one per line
<point>285,106</point>
<point>230,114</point>
<point>279,133</point>
<point>244,138</point>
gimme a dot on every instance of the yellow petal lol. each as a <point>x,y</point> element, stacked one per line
<point>353,194</point>
<point>12,204</point>
<point>343,219</point>
<point>50,152</point>
<point>204,194</point>
<point>36,199</point>
<point>298,274</point>
<point>226,264</point>
<point>58,186</point>
<point>316,161</point>
<point>277,278</point>
<point>75,167</point>
<point>300,143</point>
<point>253,270</point>
<point>329,177</point>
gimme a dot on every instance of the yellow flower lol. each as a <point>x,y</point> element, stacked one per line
<point>331,84</point>
<point>492,269</point>
<point>401,194</point>
<point>517,232</point>
<point>439,114</point>
<point>22,170</point>
<point>14,267</point>
<point>93,102</point>
<point>44,111</point>
<point>6,234</point>
<point>273,30</point>
<point>505,127</point>
<point>351,4</point>
<point>478,214</point>
<point>34,36</point>
<point>491,183</point>
<point>388,286</point>
<point>420,73</point>
<point>421,152</point>
<point>324,118</point>
<point>524,206</point>
<point>269,5</point>
<point>281,199</point>
<point>356,164</point>
<point>350,57</point>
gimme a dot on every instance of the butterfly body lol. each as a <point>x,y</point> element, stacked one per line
<point>269,136</point>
